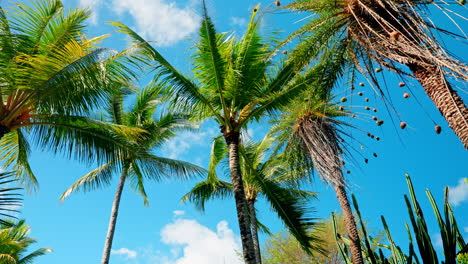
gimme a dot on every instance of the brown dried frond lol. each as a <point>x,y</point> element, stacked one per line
<point>322,142</point>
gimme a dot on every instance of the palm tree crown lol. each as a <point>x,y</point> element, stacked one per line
<point>389,33</point>
<point>140,163</point>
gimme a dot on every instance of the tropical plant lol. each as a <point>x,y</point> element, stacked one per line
<point>283,248</point>
<point>390,33</point>
<point>50,76</point>
<point>308,131</point>
<point>141,163</point>
<point>265,177</point>
<point>452,240</point>
<point>14,243</point>
<point>235,83</point>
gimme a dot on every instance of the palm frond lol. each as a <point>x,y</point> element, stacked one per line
<point>97,178</point>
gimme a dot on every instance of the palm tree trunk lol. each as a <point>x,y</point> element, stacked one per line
<point>113,218</point>
<point>254,228</point>
<point>449,103</point>
<point>355,243</point>
<point>321,140</point>
<point>239,196</point>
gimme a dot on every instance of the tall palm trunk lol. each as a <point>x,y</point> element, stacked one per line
<point>449,103</point>
<point>254,228</point>
<point>321,141</point>
<point>113,217</point>
<point>232,139</point>
<point>351,228</point>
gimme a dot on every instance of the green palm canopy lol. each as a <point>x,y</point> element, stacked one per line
<point>390,34</point>
<point>141,162</point>
<point>51,75</point>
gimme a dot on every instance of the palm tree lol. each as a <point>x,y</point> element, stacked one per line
<point>308,131</point>
<point>51,75</point>
<point>14,243</point>
<point>262,178</point>
<point>389,33</point>
<point>235,84</point>
<point>141,163</point>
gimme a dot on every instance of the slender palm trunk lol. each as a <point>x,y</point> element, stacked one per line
<point>113,218</point>
<point>351,228</point>
<point>321,140</point>
<point>239,196</point>
<point>254,228</point>
<point>449,103</point>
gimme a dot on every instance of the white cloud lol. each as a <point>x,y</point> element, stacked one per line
<point>459,193</point>
<point>125,252</point>
<point>178,212</point>
<point>159,20</point>
<point>93,5</point>
<point>200,244</point>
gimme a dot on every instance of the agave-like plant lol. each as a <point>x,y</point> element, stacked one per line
<point>454,245</point>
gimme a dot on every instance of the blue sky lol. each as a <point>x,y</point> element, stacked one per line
<point>173,233</point>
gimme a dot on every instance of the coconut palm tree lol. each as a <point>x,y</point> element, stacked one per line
<point>140,164</point>
<point>390,33</point>
<point>14,243</point>
<point>50,76</point>
<point>308,131</point>
<point>262,178</point>
<point>234,84</point>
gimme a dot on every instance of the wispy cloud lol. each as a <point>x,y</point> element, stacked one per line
<point>159,20</point>
<point>93,6</point>
<point>186,143</point>
<point>459,193</point>
<point>125,252</point>
<point>238,21</point>
<point>178,212</point>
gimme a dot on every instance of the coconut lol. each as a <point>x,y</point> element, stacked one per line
<point>344,99</point>
<point>374,118</point>
<point>401,84</point>
<point>367,99</point>
<point>367,108</point>
<point>277,3</point>
<point>462,2</point>
<point>366,160</point>
<point>284,52</point>
<point>378,70</point>
<point>438,129</point>
<point>375,154</point>
<point>360,93</point>
<point>341,108</point>
<point>255,10</point>
<point>379,123</point>
<point>361,84</point>
<point>377,138</point>
<point>353,116</point>
<point>348,172</point>
<point>402,125</point>
<point>352,87</point>
<point>369,134</point>
<point>406,95</point>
